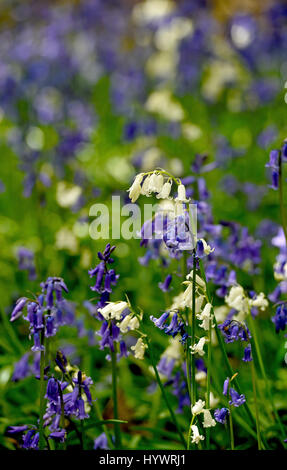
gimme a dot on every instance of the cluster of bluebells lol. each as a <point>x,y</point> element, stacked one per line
<point>116,318</point>
<point>169,232</point>
<point>235,400</point>
<point>67,398</point>
<point>232,331</point>
<point>175,327</point>
<point>47,312</point>
<point>106,277</point>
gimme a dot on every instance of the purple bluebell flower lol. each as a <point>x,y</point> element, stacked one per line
<point>236,398</point>
<point>58,436</point>
<point>101,442</point>
<point>160,322</point>
<point>31,440</point>
<point>232,331</point>
<point>52,393</point>
<point>274,165</point>
<point>18,309</point>
<point>225,386</point>
<point>165,285</point>
<point>17,429</point>
<point>280,317</point>
<point>220,415</point>
<point>247,354</point>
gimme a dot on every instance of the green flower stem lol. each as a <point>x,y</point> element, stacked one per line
<point>188,341</point>
<point>208,380</point>
<point>189,433</point>
<point>115,399</point>
<point>231,429</point>
<point>193,383</point>
<point>172,415</point>
<point>256,405</point>
<point>263,372</point>
<point>42,396</point>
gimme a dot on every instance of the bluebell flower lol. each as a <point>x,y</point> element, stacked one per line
<point>280,318</point>
<point>232,331</point>
<point>274,165</point>
<point>236,399</point>
<point>101,442</point>
<point>175,326</point>
<point>59,436</point>
<point>160,322</point>
<point>247,354</point>
<point>52,392</point>
<point>17,429</point>
<point>220,415</point>
<point>18,309</point>
<point>225,386</point>
<point>31,440</point>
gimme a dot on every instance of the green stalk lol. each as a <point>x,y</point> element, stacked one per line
<point>193,383</point>
<point>208,380</point>
<point>172,415</point>
<point>188,341</point>
<point>115,399</point>
<point>42,395</point>
<point>189,433</point>
<point>256,405</point>
<point>231,429</point>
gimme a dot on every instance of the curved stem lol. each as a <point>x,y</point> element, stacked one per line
<point>189,432</point>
